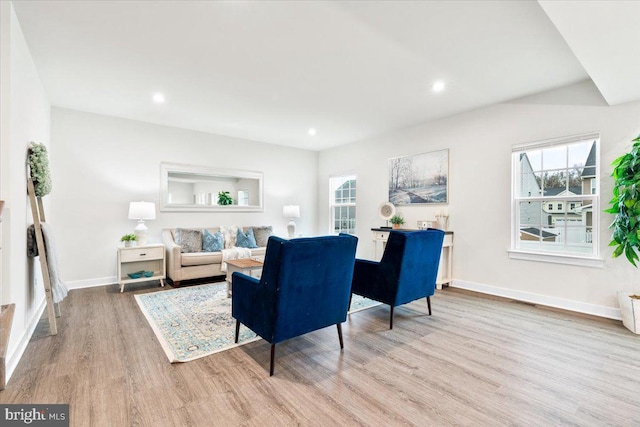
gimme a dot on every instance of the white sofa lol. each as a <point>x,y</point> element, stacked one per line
<point>198,265</point>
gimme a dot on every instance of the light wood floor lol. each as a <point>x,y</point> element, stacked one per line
<point>477,361</point>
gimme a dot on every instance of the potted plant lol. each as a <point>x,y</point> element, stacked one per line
<point>224,198</point>
<point>397,221</point>
<point>128,239</point>
<point>625,204</point>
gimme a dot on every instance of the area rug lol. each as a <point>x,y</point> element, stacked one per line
<point>195,321</point>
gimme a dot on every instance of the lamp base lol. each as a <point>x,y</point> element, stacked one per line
<point>141,233</point>
<point>291,229</point>
<point>141,237</point>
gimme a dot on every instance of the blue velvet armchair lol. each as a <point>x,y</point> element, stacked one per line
<point>407,271</point>
<point>305,286</point>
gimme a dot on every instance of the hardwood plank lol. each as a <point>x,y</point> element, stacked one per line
<point>477,361</point>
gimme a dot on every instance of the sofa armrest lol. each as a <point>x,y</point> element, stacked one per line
<point>173,254</point>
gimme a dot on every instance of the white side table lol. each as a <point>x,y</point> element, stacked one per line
<point>141,258</point>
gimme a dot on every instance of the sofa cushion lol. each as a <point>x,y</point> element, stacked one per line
<point>201,258</point>
<point>230,233</point>
<point>212,242</point>
<point>190,240</point>
<point>246,239</point>
<point>262,234</point>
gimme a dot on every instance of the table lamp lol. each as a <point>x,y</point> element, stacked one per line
<point>291,212</point>
<point>142,211</point>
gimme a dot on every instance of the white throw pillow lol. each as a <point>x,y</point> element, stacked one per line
<point>230,234</point>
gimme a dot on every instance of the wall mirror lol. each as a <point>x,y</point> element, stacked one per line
<point>190,188</point>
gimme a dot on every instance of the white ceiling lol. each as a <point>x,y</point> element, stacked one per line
<point>269,71</point>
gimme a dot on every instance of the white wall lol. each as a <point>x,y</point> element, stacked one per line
<point>101,163</point>
<point>25,118</point>
<point>479,208</point>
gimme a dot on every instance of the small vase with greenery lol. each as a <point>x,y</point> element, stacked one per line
<point>224,198</point>
<point>128,239</point>
<point>397,221</point>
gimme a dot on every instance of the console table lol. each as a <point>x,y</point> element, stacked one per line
<point>381,235</point>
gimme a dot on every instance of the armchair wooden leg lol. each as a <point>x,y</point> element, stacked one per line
<point>273,356</point>
<point>350,298</point>
<point>391,318</point>
<point>339,325</point>
<point>429,304</point>
<point>237,330</point>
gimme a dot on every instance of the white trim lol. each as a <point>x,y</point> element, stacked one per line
<point>555,141</point>
<point>556,258</point>
<point>565,304</point>
<point>14,358</point>
<point>92,283</point>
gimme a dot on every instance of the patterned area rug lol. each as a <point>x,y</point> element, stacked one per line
<point>195,321</point>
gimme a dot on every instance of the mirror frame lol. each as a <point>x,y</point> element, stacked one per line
<point>167,167</point>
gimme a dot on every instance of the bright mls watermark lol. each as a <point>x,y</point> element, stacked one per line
<point>34,415</point>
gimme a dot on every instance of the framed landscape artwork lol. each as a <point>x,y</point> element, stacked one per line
<point>419,179</point>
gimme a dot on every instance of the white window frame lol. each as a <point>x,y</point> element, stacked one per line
<point>516,252</point>
<point>332,199</point>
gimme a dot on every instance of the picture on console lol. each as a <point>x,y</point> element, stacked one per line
<point>419,178</point>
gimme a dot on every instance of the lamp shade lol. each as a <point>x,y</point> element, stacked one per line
<point>291,211</point>
<point>142,210</point>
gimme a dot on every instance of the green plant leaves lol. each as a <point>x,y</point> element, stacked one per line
<point>625,204</point>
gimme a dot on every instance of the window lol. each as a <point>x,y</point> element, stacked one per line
<point>554,174</point>
<point>343,203</point>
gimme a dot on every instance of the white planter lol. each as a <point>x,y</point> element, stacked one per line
<point>630,311</point>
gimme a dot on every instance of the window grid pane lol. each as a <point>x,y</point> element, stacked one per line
<point>343,209</point>
<point>556,198</point>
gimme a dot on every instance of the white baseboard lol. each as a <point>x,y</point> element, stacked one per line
<point>91,283</point>
<point>565,304</point>
<point>14,358</point>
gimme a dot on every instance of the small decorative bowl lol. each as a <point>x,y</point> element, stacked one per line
<point>147,273</point>
<point>136,275</point>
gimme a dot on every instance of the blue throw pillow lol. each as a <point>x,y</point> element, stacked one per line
<point>246,240</point>
<point>212,242</point>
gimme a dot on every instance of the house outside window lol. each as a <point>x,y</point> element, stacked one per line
<point>342,203</point>
<point>558,173</point>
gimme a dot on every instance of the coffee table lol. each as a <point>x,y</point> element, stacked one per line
<point>244,265</point>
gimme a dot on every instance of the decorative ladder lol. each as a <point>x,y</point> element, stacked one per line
<point>37,210</point>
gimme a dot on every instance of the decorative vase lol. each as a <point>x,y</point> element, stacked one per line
<point>630,310</point>
<point>128,243</point>
<point>396,226</point>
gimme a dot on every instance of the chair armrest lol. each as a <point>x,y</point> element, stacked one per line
<point>365,273</point>
<point>251,305</point>
<point>245,291</point>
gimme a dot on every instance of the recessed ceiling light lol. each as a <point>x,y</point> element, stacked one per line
<point>438,86</point>
<point>312,131</point>
<point>158,98</point>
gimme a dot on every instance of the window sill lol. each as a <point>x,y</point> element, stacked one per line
<point>557,258</point>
